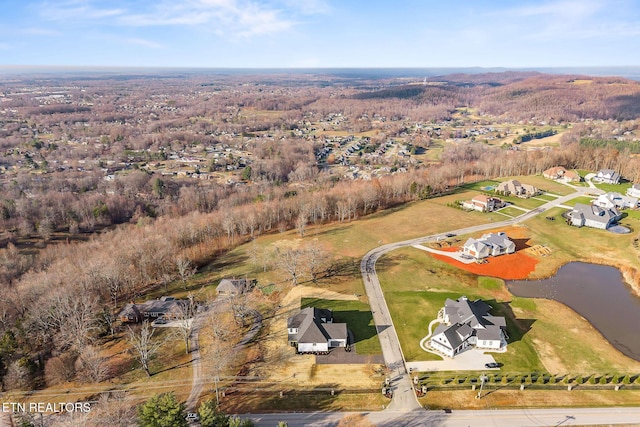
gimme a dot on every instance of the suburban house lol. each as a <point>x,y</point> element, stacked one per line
<point>235,286</point>
<point>615,200</point>
<point>593,216</point>
<point>634,191</point>
<point>560,174</point>
<point>483,203</point>
<point>516,188</point>
<point>167,307</point>
<point>466,324</point>
<point>491,244</point>
<point>312,331</point>
<point>607,176</point>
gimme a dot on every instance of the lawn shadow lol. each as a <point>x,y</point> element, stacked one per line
<point>360,322</point>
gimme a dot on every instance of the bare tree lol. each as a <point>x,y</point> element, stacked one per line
<point>316,258</point>
<point>91,365</point>
<point>144,345</point>
<point>185,320</point>
<point>185,270</point>
<point>289,260</point>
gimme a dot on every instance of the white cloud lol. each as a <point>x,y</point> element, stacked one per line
<point>41,32</point>
<point>231,17</point>
<point>69,10</point>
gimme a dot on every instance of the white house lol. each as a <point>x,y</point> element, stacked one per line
<point>593,216</point>
<point>312,331</point>
<point>607,176</point>
<point>615,200</point>
<point>634,191</point>
<point>491,244</point>
<point>468,324</point>
<point>483,203</point>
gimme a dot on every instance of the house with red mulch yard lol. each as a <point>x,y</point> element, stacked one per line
<point>491,244</point>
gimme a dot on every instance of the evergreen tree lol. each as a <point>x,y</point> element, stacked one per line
<point>162,410</point>
<point>211,416</point>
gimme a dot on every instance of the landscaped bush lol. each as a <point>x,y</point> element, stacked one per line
<point>603,379</point>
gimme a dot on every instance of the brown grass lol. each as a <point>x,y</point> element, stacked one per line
<point>465,399</point>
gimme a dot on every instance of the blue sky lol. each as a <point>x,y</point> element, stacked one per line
<point>320,33</point>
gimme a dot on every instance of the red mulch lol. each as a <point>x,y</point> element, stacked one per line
<point>510,267</point>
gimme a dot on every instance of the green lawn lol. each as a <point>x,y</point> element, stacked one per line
<point>547,196</point>
<point>357,315</point>
<point>512,212</point>
<point>586,200</point>
<point>616,188</point>
<point>529,203</point>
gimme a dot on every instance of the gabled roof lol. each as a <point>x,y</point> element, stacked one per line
<point>313,329</point>
<point>594,213</point>
<point>234,285</point>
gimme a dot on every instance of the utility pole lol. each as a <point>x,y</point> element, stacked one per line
<point>483,378</point>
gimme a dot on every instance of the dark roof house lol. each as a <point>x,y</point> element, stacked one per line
<point>313,330</point>
<point>234,286</point>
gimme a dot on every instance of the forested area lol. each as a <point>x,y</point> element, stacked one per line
<point>135,231</point>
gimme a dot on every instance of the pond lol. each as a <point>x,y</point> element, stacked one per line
<point>598,293</point>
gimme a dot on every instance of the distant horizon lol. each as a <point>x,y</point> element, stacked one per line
<point>624,71</point>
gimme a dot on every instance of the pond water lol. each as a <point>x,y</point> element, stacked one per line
<point>598,293</point>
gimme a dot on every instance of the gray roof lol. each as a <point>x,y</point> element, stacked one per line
<point>489,333</point>
<point>162,306</point>
<point>594,213</point>
<point>234,285</point>
<point>311,327</point>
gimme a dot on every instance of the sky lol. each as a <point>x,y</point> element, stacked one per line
<point>320,33</point>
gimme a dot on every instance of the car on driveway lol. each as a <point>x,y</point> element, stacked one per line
<point>491,365</point>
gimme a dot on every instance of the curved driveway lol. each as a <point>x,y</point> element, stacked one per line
<point>404,398</point>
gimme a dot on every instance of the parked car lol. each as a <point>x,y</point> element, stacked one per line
<point>491,365</point>
<point>192,416</point>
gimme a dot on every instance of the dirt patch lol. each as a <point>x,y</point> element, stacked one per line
<point>509,267</point>
<point>548,357</point>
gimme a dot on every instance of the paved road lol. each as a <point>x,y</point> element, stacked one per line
<point>480,418</point>
<point>404,398</point>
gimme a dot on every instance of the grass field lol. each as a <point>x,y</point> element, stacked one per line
<point>586,200</point>
<point>512,212</point>
<point>547,196</point>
